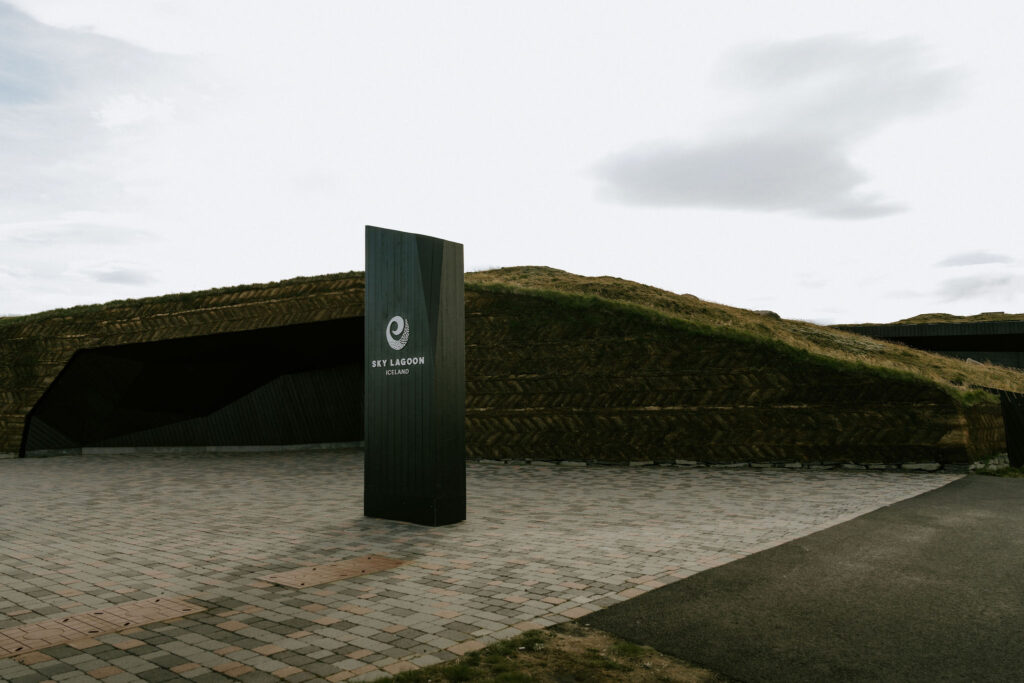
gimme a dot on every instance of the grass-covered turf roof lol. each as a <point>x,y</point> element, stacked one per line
<point>824,343</point>
<point>821,344</point>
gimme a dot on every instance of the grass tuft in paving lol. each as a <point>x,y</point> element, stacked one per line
<point>567,652</point>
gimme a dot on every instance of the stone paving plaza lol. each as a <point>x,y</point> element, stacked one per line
<point>542,545</point>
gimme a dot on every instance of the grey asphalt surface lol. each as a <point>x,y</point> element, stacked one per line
<point>927,589</point>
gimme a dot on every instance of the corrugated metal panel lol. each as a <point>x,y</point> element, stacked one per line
<point>999,342</point>
<point>320,406</point>
<point>936,329</point>
<point>292,384</point>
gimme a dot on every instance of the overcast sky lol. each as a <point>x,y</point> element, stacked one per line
<point>833,162</point>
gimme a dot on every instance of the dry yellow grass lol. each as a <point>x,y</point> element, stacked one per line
<point>953,375</point>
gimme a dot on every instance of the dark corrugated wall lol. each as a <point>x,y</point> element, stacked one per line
<point>273,386</point>
<point>1001,343</point>
<point>318,406</point>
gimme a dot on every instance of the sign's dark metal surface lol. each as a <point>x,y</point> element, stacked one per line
<point>415,379</point>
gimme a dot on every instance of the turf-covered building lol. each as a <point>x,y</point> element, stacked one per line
<point>999,341</point>
<point>558,367</point>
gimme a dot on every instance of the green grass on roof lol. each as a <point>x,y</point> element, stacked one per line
<point>185,299</point>
<point>846,348</point>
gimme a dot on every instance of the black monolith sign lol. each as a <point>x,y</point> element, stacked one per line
<point>415,379</point>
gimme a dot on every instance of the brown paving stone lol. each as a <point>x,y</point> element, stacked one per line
<point>75,627</point>
<point>466,646</point>
<point>128,644</point>
<point>304,577</point>
<point>227,650</point>
<point>8,646</point>
<point>269,649</point>
<point>233,669</point>
<point>286,671</point>
<point>182,668</point>
<point>399,667</point>
<point>105,672</point>
<point>84,643</point>
<point>576,585</point>
<point>33,658</point>
<point>448,614</point>
<point>527,626</point>
<point>325,621</point>
<point>232,625</point>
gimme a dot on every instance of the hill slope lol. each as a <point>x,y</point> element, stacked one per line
<point>953,375</point>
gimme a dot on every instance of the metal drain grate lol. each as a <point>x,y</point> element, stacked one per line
<point>62,630</point>
<point>304,577</point>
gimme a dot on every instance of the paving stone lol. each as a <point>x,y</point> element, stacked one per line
<point>211,677</point>
<point>158,675</point>
<point>51,669</point>
<point>29,678</point>
<point>167,660</point>
<point>258,677</point>
<point>541,546</point>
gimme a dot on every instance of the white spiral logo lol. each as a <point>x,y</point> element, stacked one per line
<point>397,325</point>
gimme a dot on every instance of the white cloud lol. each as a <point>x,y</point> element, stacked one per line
<point>974,258</point>
<point>977,286</point>
<point>63,94</point>
<point>80,230</point>
<point>759,174</point>
<point>808,103</point>
<point>122,276</point>
<point>130,110</point>
<point>71,103</point>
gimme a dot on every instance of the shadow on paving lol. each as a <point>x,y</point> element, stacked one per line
<point>928,589</point>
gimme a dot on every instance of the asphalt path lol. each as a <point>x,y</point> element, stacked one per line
<point>927,589</point>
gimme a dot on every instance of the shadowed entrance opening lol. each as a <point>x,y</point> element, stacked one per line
<point>296,384</point>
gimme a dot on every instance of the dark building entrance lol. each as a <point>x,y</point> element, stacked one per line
<point>295,384</point>
<point>1001,343</point>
